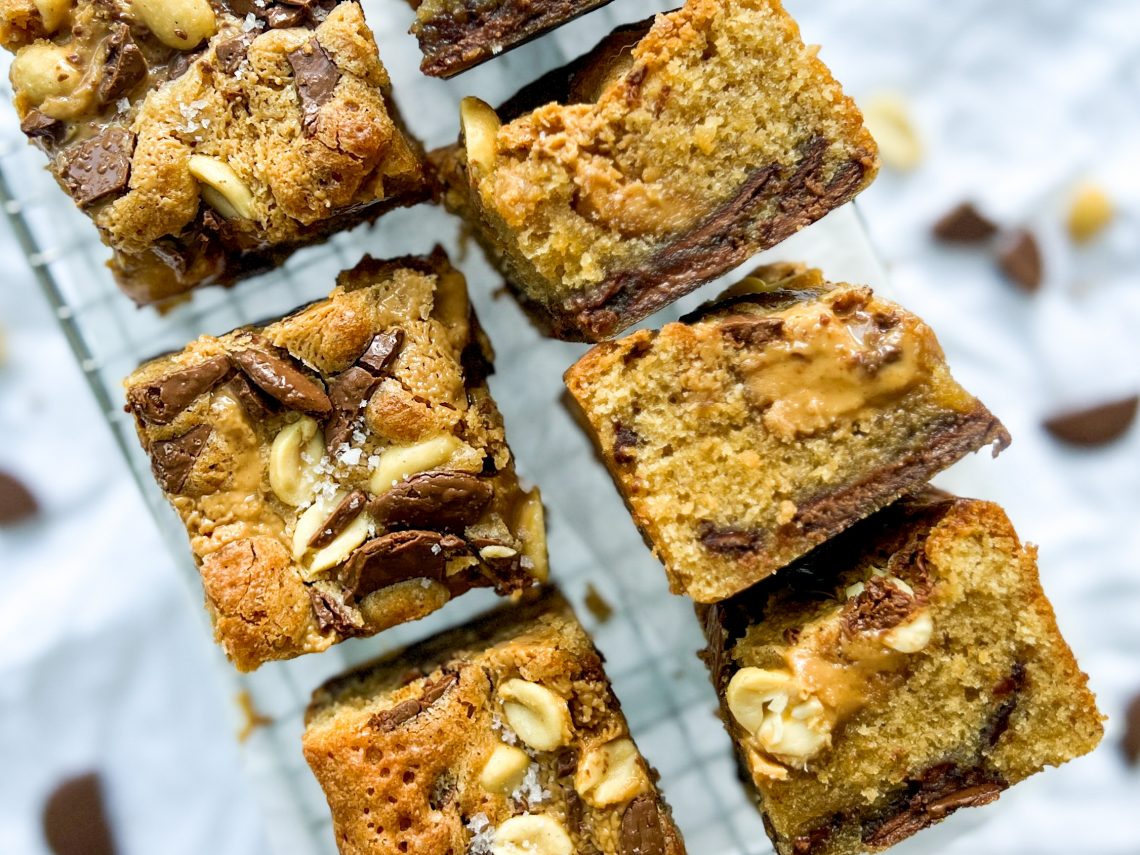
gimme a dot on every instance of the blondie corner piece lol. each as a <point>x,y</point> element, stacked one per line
<point>673,153</point>
<point>208,140</point>
<point>770,421</point>
<point>908,668</point>
<point>502,737</point>
<point>344,469</point>
<point>456,35</point>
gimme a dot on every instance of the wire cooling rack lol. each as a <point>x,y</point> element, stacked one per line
<point>652,637</point>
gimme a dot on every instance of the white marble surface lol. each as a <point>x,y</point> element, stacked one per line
<point>104,661</point>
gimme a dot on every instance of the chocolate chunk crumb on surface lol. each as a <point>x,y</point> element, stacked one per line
<point>1019,258</point>
<point>1130,744</point>
<point>316,76</point>
<point>99,167</point>
<point>964,224</point>
<point>1094,426</point>
<point>75,818</point>
<point>17,504</point>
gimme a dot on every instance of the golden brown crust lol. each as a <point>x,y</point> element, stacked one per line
<point>400,746</point>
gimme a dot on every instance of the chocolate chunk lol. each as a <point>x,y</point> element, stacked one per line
<point>281,380</point>
<point>434,691</point>
<point>397,557</point>
<point>316,76</point>
<point>349,391</point>
<point>1094,426</point>
<point>160,401</point>
<point>75,818</point>
<point>99,167</point>
<point>1020,260</point>
<point>281,16</point>
<point>1007,692</point>
<point>642,828</point>
<point>445,500</point>
<point>172,459</point>
<point>17,503</point>
<point>805,844</point>
<point>403,712</point>
<point>332,610</point>
<point>880,606</point>
<point>348,510</point>
<point>230,53</point>
<point>566,764</point>
<point>381,351</point>
<point>1130,743</point>
<point>728,541</point>
<point>964,224</point>
<point>41,128</point>
<point>748,331</point>
<point>625,440</point>
<point>124,65</point>
<point>181,63</point>
<point>256,405</point>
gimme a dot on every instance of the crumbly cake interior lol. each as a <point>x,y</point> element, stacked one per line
<point>908,668</point>
<point>745,437</point>
<point>344,469</point>
<point>207,149</point>
<point>712,95</point>
<point>503,736</point>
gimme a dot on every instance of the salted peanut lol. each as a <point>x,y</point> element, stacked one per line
<point>310,522</point>
<point>296,451</point>
<point>531,525</point>
<point>53,13</point>
<point>539,717</point>
<point>532,834</point>
<point>761,701</point>
<point>887,117</point>
<point>480,126</point>
<point>42,71</point>
<point>180,24</point>
<point>221,188</point>
<point>504,770</point>
<point>343,546</point>
<point>752,690</point>
<point>496,551</point>
<point>611,774</point>
<point>912,636</point>
<point>1089,213</point>
<point>400,462</point>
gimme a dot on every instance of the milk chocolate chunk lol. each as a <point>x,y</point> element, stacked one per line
<point>1020,260</point>
<point>964,224</point>
<point>446,500</point>
<point>124,65</point>
<point>938,793</point>
<point>231,53</point>
<point>99,167</point>
<point>75,818</point>
<point>381,351</point>
<point>316,76</point>
<point>348,510</point>
<point>252,400</point>
<point>332,610</point>
<point>283,381</point>
<point>752,331</point>
<point>625,441</point>
<point>398,556</point>
<point>172,459</point>
<point>281,16</point>
<point>41,127</point>
<point>727,540</point>
<point>642,831</point>
<point>1097,425</point>
<point>1131,741</point>
<point>348,392</point>
<point>161,401</point>
<point>881,605</point>
<point>17,503</point>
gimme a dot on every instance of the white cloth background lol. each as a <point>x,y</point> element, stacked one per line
<point>104,659</point>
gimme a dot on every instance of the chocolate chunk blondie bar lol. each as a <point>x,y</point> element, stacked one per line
<point>908,668</point>
<point>208,139</point>
<point>455,35</point>
<point>770,421</point>
<point>671,154</point>
<point>342,470</point>
<point>502,737</point>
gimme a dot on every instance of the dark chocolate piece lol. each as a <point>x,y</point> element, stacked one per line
<point>160,401</point>
<point>625,441</point>
<point>642,829</point>
<point>1130,743</point>
<point>1020,260</point>
<point>388,720</point>
<point>41,128</point>
<point>445,500</point>
<point>231,53</point>
<point>283,381</point>
<point>727,541</point>
<point>1007,691</point>
<point>348,391</point>
<point>124,65</point>
<point>964,224</point>
<point>172,459</point>
<point>252,400</point>
<point>316,76</point>
<point>17,503</point>
<point>381,351</point>
<point>331,609</point>
<point>348,510</point>
<point>880,606</point>
<point>397,557</point>
<point>75,818</point>
<point>99,167</point>
<point>752,332</point>
<point>281,16</point>
<point>1094,426</point>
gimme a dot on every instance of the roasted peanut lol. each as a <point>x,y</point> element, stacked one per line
<point>221,188</point>
<point>532,834</point>
<point>180,24</point>
<point>539,717</point>
<point>762,702</point>
<point>912,636</point>
<point>53,13</point>
<point>504,770</point>
<point>400,462</point>
<point>480,126</point>
<point>296,451</point>
<point>42,70</point>
<point>611,774</point>
<point>531,528</point>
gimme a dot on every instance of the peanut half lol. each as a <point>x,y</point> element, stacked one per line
<point>504,770</point>
<point>539,717</point>
<point>221,188</point>
<point>532,834</point>
<point>180,24</point>
<point>293,458</point>
<point>611,774</point>
<point>480,126</point>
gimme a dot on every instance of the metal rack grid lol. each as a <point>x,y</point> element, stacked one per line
<point>651,640</point>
